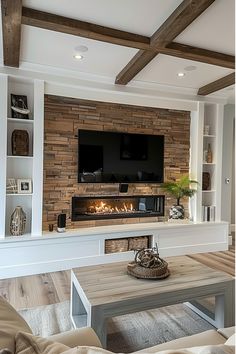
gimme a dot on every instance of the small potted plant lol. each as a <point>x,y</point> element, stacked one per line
<point>179,189</point>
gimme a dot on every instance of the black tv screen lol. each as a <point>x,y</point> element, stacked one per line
<point>120,157</point>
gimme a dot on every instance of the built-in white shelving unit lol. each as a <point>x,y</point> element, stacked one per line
<point>206,130</point>
<point>22,167</point>
<point>31,167</point>
<point>32,254</point>
<point>211,195</point>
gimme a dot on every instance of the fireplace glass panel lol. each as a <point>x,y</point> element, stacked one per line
<point>89,208</point>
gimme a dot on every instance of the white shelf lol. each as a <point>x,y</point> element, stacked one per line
<point>209,163</point>
<point>19,157</point>
<point>209,191</point>
<point>18,120</point>
<point>209,136</point>
<point>26,236</point>
<point>17,194</point>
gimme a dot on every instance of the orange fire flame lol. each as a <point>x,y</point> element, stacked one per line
<point>106,208</point>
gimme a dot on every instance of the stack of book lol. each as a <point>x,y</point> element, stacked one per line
<point>208,213</point>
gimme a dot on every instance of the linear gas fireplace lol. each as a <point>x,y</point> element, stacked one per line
<point>114,207</point>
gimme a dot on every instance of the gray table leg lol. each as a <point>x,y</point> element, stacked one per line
<point>223,315</point>
<point>98,321</point>
<point>78,311</point>
<point>224,307</point>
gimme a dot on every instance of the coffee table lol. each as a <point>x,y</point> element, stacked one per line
<point>103,291</point>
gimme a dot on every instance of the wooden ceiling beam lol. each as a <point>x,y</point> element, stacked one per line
<point>198,54</point>
<point>181,18</point>
<point>62,24</point>
<point>181,51</point>
<point>135,65</point>
<point>217,85</point>
<point>67,25</point>
<point>160,42</point>
<point>11,31</point>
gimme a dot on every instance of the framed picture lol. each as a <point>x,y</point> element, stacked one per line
<point>24,186</point>
<point>19,107</point>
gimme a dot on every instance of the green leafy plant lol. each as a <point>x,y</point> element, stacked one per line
<point>180,188</point>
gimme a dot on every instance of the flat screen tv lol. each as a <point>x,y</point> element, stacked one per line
<point>120,157</point>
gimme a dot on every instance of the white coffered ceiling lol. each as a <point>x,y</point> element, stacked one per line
<point>213,30</point>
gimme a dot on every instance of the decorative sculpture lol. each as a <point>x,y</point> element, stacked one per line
<point>19,106</point>
<point>18,222</point>
<point>148,265</point>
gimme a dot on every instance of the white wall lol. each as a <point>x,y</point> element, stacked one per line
<point>233,181</point>
<point>227,188</point>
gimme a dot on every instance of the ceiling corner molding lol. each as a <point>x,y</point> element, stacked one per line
<point>11,31</point>
<point>217,85</point>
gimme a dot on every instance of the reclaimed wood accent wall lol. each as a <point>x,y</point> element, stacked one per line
<point>64,116</point>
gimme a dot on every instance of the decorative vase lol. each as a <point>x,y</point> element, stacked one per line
<point>176,212</point>
<point>20,143</point>
<point>18,222</point>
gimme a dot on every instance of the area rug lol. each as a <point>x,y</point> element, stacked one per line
<point>126,333</point>
<point>49,319</point>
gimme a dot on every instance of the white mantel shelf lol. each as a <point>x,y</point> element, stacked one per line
<point>26,255</point>
<point>109,229</point>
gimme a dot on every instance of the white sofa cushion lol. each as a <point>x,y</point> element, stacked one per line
<point>10,323</point>
<point>205,338</point>
<point>80,336</point>
<point>231,340</point>
<point>29,344</point>
<point>227,332</point>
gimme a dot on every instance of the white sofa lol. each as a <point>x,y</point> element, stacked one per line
<point>11,323</point>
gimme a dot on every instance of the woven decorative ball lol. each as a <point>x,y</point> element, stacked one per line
<point>138,271</point>
<point>148,265</point>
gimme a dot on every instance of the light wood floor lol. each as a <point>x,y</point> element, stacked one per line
<point>224,261</point>
<point>50,288</point>
<point>36,290</point>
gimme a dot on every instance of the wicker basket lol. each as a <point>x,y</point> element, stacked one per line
<point>116,245</point>
<point>138,271</point>
<point>138,242</point>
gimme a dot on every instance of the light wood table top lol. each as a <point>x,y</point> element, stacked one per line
<point>103,291</point>
<point>109,283</point>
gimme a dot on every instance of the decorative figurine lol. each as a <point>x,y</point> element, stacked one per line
<point>148,265</point>
<point>18,222</point>
<point>19,107</point>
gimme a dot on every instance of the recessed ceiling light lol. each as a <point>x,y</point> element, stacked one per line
<point>190,68</point>
<point>181,74</point>
<point>78,56</point>
<point>81,49</point>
